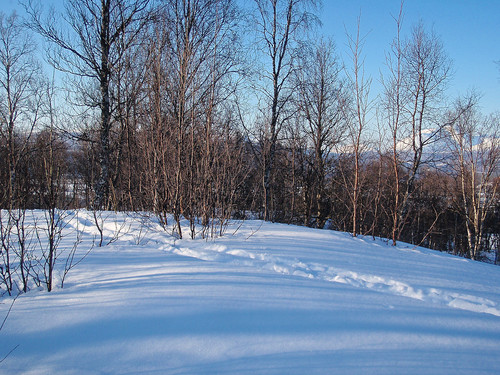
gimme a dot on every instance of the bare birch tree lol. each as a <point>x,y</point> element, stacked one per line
<point>279,24</point>
<point>20,110</point>
<point>475,158</point>
<point>360,89</point>
<point>321,101</point>
<point>90,44</point>
<point>191,81</point>
<point>418,74</point>
<point>393,107</point>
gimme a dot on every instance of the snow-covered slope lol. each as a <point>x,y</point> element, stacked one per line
<point>263,299</point>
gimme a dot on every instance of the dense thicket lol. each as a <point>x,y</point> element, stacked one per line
<point>201,111</point>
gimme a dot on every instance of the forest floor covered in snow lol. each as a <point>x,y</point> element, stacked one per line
<point>263,299</point>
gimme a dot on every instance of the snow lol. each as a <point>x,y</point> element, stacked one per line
<point>264,299</point>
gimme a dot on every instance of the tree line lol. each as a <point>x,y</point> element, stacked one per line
<point>202,110</point>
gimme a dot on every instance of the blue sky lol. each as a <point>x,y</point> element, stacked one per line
<point>468,29</point>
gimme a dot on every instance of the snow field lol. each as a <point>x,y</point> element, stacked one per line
<point>268,299</point>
